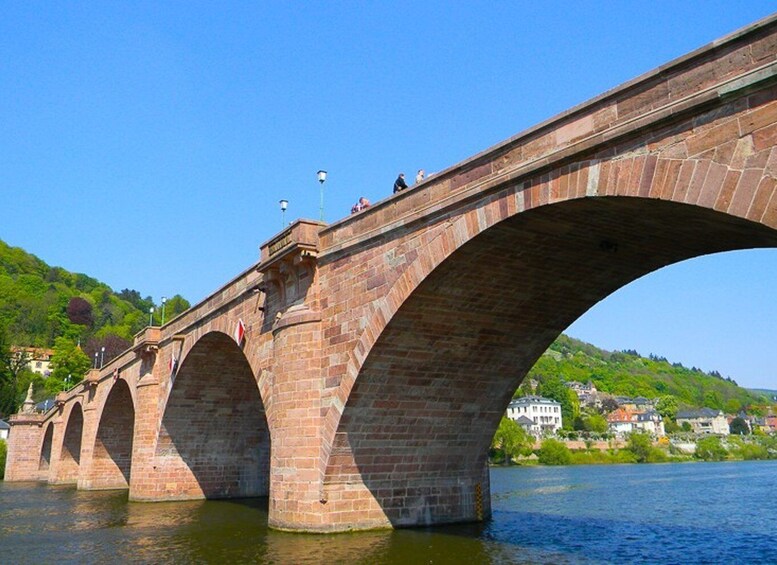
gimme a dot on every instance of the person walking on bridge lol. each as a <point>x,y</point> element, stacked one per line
<point>400,183</point>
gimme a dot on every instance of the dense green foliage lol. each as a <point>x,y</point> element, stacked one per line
<point>49,307</point>
<point>627,373</point>
<point>554,452</point>
<point>510,440</point>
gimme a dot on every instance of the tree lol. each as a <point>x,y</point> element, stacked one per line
<point>738,426</point>
<point>595,423</point>
<point>553,452</point>
<point>79,311</point>
<point>554,388</point>
<point>667,406</point>
<point>113,344</point>
<point>511,439</point>
<point>68,361</point>
<point>609,404</point>
<point>640,445</point>
<point>710,449</point>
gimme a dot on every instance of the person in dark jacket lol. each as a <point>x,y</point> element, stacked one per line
<point>400,183</point>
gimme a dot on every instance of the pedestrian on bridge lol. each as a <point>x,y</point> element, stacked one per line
<point>400,183</point>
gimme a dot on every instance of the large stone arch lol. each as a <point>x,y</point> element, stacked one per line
<point>45,449</point>
<point>214,441</point>
<point>70,455</point>
<point>447,345</point>
<point>112,453</point>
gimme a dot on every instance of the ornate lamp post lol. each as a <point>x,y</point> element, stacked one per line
<point>151,316</point>
<point>164,300</point>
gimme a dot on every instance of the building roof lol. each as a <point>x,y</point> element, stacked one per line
<point>524,421</point>
<point>524,400</point>
<point>4,425</point>
<point>695,414</point>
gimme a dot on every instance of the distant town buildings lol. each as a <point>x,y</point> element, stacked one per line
<point>537,415</point>
<point>38,359</point>
<point>624,421</point>
<point>704,421</point>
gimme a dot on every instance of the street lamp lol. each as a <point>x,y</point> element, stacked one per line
<point>95,359</point>
<point>284,204</point>
<point>102,356</point>
<point>321,179</point>
<point>151,316</point>
<point>164,300</point>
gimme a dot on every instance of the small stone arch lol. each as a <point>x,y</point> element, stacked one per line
<point>214,440</point>
<point>70,454</point>
<point>112,453</point>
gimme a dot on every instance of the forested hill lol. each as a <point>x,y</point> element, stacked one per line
<point>40,303</point>
<point>626,373</point>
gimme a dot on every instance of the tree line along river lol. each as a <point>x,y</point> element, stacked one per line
<point>673,513</point>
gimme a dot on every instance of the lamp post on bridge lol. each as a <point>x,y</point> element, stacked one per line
<point>102,356</point>
<point>151,316</point>
<point>321,179</point>
<point>284,204</point>
<point>164,300</point>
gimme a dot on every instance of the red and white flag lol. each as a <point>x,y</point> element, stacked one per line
<point>116,374</point>
<point>240,332</point>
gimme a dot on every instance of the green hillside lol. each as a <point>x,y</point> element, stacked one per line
<point>49,307</point>
<point>626,373</point>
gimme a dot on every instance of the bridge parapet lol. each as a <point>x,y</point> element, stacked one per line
<point>720,70</point>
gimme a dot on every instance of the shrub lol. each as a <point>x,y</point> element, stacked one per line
<point>710,449</point>
<point>553,452</point>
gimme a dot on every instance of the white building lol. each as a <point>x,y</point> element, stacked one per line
<point>543,412</point>
<point>704,421</point>
<point>5,429</point>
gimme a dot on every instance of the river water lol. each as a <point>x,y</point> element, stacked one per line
<point>672,513</point>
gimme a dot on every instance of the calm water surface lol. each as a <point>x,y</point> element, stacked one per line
<point>675,513</point>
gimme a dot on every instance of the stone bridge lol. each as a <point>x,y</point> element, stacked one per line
<point>381,351</point>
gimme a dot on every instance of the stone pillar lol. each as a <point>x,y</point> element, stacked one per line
<point>295,422</point>
<point>89,431</point>
<point>145,482</point>
<point>294,408</point>
<point>24,441</point>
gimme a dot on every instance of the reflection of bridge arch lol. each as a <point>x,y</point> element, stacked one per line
<point>112,453</point>
<point>70,454</point>
<point>214,437</point>
<point>45,449</point>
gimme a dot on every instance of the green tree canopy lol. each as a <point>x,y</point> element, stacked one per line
<point>511,439</point>
<point>553,452</point>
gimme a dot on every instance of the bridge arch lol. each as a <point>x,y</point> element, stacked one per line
<point>112,452</point>
<point>444,349</point>
<point>44,462</point>
<point>70,455</point>
<point>214,437</point>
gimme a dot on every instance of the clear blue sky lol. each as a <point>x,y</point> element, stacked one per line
<point>147,144</point>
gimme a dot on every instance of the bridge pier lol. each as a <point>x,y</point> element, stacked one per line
<point>23,459</point>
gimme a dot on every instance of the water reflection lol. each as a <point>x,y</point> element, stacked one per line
<point>624,514</point>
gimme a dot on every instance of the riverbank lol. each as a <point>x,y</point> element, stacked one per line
<point>640,448</point>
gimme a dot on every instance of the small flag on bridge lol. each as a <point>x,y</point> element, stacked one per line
<point>240,332</point>
<point>116,374</point>
<point>173,365</point>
